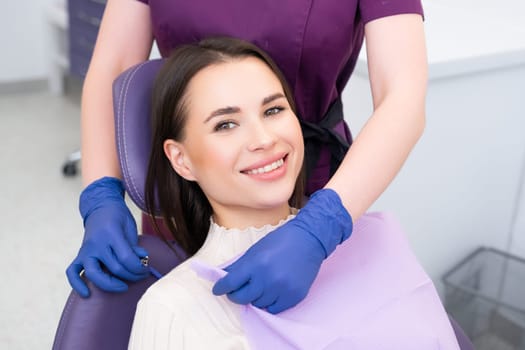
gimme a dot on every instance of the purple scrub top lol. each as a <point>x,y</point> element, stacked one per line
<point>315,43</point>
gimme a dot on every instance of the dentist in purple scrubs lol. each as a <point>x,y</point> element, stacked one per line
<point>316,45</point>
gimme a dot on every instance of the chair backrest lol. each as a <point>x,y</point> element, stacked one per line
<point>132,108</point>
<point>103,321</point>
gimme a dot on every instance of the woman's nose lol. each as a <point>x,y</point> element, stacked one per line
<point>261,136</point>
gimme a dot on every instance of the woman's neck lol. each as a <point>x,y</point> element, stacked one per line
<point>242,218</point>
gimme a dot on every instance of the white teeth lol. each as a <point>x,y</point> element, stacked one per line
<point>266,169</point>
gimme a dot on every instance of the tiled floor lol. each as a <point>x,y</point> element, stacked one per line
<point>40,228</point>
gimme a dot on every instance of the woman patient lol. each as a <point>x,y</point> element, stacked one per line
<point>225,170</point>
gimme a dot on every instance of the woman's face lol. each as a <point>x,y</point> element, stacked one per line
<point>243,143</point>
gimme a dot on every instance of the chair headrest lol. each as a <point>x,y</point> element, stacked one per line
<point>132,108</point>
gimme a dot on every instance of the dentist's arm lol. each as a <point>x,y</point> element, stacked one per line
<point>397,65</point>
<point>110,239</point>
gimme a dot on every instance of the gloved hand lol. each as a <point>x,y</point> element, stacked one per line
<point>277,272</point>
<point>110,240</point>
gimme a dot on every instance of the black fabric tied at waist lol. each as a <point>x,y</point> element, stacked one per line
<point>323,134</point>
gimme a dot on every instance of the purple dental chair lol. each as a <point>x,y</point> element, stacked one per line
<point>103,321</point>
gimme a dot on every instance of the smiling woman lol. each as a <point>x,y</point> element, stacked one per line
<point>226,169</point>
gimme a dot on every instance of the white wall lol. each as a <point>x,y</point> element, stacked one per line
<point>517,240</point>
<point>22,38</point>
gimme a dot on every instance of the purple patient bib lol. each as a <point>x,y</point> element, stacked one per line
<point>370,294</point>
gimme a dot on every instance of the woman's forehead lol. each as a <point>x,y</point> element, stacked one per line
<point>233,83</point>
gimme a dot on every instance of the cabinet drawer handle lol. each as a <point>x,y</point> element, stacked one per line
<point>88,19</point>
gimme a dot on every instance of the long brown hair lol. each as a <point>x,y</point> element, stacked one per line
<point>181,203</point>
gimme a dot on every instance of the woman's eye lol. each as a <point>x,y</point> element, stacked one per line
<point>224,126</point>
<point>273,110</point>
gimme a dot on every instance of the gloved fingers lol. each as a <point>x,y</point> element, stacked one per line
<point>130,229</point>
<point>139,251</point>
<point>101,279</point>
<point>268,298</point>
<point>247,293</point>
<point>278,306</point>
<point>119,268</point>
<point>236,278</point>
<point>73,276</point>
<point>127,261</point>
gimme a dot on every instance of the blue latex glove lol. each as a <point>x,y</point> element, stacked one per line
<point>277,272</point>
<point>110,240</point>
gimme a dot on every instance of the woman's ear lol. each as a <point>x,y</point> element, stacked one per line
<point>177,156</point>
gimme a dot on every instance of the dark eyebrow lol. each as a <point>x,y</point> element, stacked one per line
<point>222,111</point>
<point>272,98</point>
<point>233,110</point>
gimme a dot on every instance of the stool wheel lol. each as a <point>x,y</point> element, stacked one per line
<point>69,169</point>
